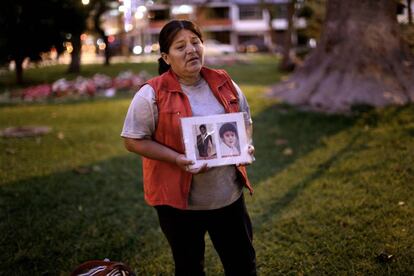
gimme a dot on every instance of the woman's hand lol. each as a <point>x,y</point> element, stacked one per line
<point>250,151</point>
<point>184,164</point>
<point>156,151</point>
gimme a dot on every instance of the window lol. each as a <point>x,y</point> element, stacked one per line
<point>159,15</point>
<point>221,36</point>
<point>248,12</point>
<point>280,11</point>
<point>247,38</point>
<point>218,13</point>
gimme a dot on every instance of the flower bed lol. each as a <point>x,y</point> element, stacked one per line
<point>97,85</point>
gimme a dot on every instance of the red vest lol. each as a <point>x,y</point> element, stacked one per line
<point>165,183</point>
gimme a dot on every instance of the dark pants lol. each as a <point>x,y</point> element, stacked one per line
<point>230,231</point>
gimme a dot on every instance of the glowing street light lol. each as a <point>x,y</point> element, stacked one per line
<point>85,2</point>
<point>140,13</point>
<point>182,9</point>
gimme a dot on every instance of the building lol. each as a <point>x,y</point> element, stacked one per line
<point>404,12</point>
<point>239,23</point>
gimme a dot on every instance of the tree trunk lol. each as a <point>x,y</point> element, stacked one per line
<point>410,12</point>
<point>360,60</point>
<point>19,70</point>
<point>271,32</point>
<point>100,10</point>
<point>287,63</point>
<point>74,66</point>
<point>107,51</point>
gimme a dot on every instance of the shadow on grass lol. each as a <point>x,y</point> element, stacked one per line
<point>51,224</point>
<point>274,208</point>
<point>334,215</point>
<point>283,134</point>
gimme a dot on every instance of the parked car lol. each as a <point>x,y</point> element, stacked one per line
<point>214,47</point>
<point>252,46</point>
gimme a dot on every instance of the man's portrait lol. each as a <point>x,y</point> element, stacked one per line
<point>205,144</point>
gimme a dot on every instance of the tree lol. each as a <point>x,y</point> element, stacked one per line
<point>27,30</point>
<point>409,12</point>
<point>269,8</point>
<point>73,21</point>
<point>76,16</point>
<point>71,17</point>
<point>32,27</point>
<point>272,9</point>
<point>360,60</point>
<point>314,13</point>
<point>98,9</point>
<point>407,27</point>
<point>287,63</point>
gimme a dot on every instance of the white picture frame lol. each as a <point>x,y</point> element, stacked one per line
<point>217,140</point>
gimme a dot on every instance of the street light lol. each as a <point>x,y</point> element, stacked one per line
<point>140,13</point>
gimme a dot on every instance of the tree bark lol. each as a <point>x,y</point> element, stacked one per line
<point>19,69</point>
<point>74,66</point>
<point>360,60</point>
<point>107,51</point>
<point>267,7</point>
<point>101,9</point>
<point>287,63</point>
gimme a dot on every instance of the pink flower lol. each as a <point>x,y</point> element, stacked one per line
<point>37,92</point>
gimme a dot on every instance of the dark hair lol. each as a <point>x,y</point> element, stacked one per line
<point>166,38</point>
<point>227,127</point>
<point>202,126</point>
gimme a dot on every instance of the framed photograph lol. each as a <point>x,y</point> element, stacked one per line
<point>217,140</point>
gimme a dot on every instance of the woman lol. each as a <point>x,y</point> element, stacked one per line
<point>190,203</point>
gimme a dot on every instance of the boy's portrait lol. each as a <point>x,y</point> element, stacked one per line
<point>229,139</point>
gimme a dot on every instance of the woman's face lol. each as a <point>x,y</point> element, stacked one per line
<point>230,138</point>
<point>186,54</point>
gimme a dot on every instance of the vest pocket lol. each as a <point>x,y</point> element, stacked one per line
<point>233,101</point>
<point>234,104</point>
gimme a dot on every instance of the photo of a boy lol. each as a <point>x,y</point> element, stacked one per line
<point>229,140</point>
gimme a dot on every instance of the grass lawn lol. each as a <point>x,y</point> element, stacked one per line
<point>331,192</point>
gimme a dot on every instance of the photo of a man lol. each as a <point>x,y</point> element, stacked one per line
<point>205,145</point>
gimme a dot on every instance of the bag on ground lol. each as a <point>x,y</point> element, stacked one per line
<point>102,268</point>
